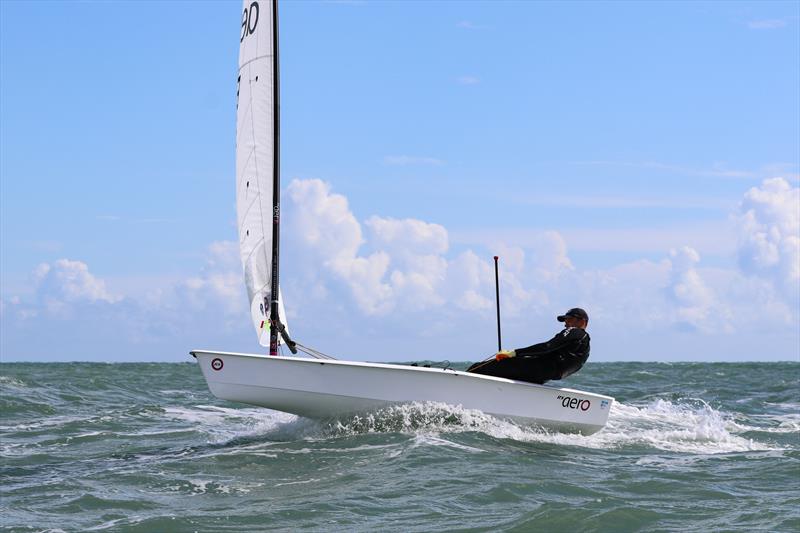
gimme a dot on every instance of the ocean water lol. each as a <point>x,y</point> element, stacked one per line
<point>145,447</point>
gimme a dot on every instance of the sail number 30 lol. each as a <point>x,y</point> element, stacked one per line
<point>249,20</point>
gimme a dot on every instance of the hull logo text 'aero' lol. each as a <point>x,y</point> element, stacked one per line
<point>574,403</point>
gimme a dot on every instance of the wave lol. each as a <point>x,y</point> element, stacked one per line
<point>10,382</point>
<point>689,426</point>
<point>223,424</point>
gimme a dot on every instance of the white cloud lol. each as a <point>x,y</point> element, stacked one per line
<point>625,292</point>
<point>686,288</point>
<point>50,247</point>
<point>713,237</point>
<point>550,258</point>
<point>218,286</point>
<point>408,237</point>
<point>330,236</point>
<point>468,80</point>
<point>405,268</point>
<point>72,315</point>
<point>66,283</point>
<point>403,264</point>
<point>394,265</point>
<point>626,202</point>
<point>470,282</point>
<point>407,160</point>
<point>323,221</point>
<point>766,24</point>
<point>469,25</point>
<point>769,235</point>
<point>389,281</point>
<point>416,249</point>
<point>715,170</point>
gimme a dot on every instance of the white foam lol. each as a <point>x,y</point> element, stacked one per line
<point>212,486</point>
<point>773,423</point>
<point>48,422</point>
<point>686,426</point>
<point>301,482</point>
<point>689,426</point>
<point>222,424</point>
<point>8,381</point>
<point>431,440</point>
<point>415,417</point>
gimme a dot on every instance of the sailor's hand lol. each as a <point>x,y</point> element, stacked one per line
<point>504,354</point>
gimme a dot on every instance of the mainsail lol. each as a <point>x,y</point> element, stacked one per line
<point>256,151</point>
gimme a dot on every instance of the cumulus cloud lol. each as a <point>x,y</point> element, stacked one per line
<point>686,288</point>
<point>388,264</point>
<point>551,259</point>
<point>470,282</point>
<point>381,277</point>
<point>218,285</point>
<point>72,314</point>
<point>769,235</point>
<point>416,250</point>
<point>404,266</point>
<point>68,313</point>
<point>62,285</point>
<point>632,289</point>
<point>408,237</point>
<point>330,237</point>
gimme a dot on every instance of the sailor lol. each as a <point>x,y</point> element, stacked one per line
<point>557,358</point>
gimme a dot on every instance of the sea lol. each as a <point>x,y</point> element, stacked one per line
<point>145,447</point>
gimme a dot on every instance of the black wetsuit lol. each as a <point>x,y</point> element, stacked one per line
<point>557,358</point>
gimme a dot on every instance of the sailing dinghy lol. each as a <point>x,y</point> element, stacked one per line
<point>318,386</point>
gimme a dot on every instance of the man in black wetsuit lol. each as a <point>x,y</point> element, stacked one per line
<point>557,358</point>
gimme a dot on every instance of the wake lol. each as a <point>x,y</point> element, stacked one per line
<point>689,426</point>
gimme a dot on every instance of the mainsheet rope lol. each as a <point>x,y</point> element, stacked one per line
<point>316,354</point>
<point>484,362</point>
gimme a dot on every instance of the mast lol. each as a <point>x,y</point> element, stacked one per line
<point>497,299</point>
<point>276,327</point>
<point>274,317</point>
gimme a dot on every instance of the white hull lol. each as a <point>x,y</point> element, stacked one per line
<point>325,389</point>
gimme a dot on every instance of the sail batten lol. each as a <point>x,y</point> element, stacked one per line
<point>256,159</point>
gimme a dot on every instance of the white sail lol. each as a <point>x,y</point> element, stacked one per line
<point>255,143</point>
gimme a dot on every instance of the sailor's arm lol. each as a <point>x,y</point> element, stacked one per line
<point>555,344</point>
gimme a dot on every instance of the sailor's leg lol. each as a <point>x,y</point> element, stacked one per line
<point>502,369</point>
<point>538,369</point>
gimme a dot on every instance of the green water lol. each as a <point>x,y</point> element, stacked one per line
<point>145,447</point>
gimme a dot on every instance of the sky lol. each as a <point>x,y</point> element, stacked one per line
<point>639,160</point>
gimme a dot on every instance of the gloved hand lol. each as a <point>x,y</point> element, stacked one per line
<point>505,354</point>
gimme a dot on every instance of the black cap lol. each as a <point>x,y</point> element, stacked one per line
<point>575,312</point>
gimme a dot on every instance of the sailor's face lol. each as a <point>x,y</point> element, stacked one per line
<point>572,322</point>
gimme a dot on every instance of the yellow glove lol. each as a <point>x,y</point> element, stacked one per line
<point>505,354</point>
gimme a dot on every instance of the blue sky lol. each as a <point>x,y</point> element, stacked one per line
<point>638,159</point>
